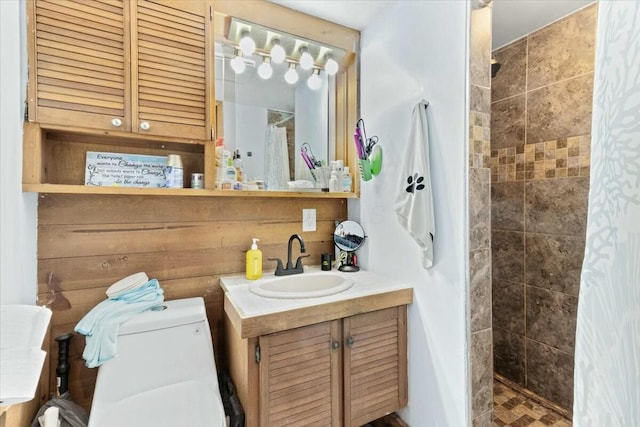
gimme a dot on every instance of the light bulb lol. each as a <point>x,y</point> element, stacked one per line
<point>314,81</point>
<point>237,64</point>
<point>291,76</point>
<point>264,70</point>
<point>306,60</point>
<point>247,45</point>
<point>331,66</point>
<point>277,52</point>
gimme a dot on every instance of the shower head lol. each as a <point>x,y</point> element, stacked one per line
<point>484,3</point>
<point>495,67</point>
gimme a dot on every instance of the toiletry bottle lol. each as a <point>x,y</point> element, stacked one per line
<point>219,162</point>
<point>237,163</point>
<point>226,160</point>
<point>346,180</point>
<point>338,167</point>
<point>175,173</point>
<point>230,173</point>
<point>254,262</point>
<point>334,183</point>
<point>219,149</point>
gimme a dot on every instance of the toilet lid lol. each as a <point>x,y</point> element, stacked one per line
<point>189,403</point>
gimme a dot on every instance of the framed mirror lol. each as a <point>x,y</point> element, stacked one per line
<point>252,110</point>
<point>348,237</point>
<point>267,121</point>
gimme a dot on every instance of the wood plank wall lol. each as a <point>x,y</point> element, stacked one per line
<point>88,242</point>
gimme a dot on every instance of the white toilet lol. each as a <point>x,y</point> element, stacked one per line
<point>164,374</point>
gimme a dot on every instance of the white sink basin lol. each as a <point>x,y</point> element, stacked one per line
<point>305,285</point>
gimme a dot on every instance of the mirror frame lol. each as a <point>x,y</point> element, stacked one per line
<point>353,224</point>
<point>347,108</point>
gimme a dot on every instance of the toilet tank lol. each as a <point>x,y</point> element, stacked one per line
<point>164,373</point>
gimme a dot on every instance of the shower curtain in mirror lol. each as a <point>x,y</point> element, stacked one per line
<point>276,159</point>
<point>607,358</point>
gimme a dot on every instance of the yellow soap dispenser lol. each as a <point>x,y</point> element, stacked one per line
<point>254,262</point>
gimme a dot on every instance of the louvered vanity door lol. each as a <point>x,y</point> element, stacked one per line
<point>172,61</point>
<point>375,361</point>
<point>300,376</point>
<point>78,57</point>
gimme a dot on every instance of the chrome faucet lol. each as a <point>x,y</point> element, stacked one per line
<point>290,269</point>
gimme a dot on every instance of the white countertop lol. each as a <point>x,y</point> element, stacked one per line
<point>248,304</point>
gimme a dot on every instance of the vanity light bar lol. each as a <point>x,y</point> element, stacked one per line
<point>280,46</point>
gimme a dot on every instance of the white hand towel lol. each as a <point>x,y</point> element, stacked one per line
<point>414,201</point>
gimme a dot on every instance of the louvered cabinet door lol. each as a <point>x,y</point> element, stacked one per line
<point>79,74</point>
<point>172,68</point>
<point>375,364</point>
<point>300,377</point>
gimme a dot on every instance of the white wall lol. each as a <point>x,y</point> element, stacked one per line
<point>18,211</point>
<point>418,50</point>
<point>312,109</point>
<point>251,138</point>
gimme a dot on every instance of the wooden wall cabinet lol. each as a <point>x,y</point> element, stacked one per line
<point>141,66</point>
<point>344,372</point>
<point>137,77</point>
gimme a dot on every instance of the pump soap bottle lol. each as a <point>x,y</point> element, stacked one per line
<point>254,262</point>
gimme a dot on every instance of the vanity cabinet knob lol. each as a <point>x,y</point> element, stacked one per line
<point>116,122</point>
<point>144,125</point>
<point>350,341</point>
<point>335,345</point>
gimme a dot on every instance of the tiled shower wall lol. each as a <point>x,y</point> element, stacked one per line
<point>540,136</point>
<point>480,218</point>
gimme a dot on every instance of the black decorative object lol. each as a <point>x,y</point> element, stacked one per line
<point>64,367</point>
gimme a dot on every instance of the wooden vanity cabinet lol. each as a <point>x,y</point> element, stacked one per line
<point>300,372</point>
<point>344,372</point>
<point>141,66</point>
<point>375,364</point>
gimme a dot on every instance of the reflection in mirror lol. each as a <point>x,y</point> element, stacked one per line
<point>348,237</point>
<point>268,121</point>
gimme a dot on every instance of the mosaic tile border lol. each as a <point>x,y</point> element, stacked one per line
<point>560,158</point>
<point>479,139</point>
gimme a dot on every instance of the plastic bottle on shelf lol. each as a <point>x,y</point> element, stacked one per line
<point>219,160</point>
<point>237,163</point>
<point>219,148</point>
<point>337,167</point>
<point>175,172</point>
<point>225,161</point>
<point>229,176</point>
<point>346,180</point>
<point>334,183</point>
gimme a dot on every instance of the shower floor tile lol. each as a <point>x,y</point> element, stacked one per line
<point>517,410</point>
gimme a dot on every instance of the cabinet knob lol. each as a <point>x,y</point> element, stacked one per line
<point>116,122</point>
<point>335,345</point>
<point>144,125</point>
<point>350,341</point>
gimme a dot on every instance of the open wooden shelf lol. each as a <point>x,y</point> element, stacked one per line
<point>83,189</point>
<point>54,162</point>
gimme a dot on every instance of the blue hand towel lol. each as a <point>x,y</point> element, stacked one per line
<point>100,326</point>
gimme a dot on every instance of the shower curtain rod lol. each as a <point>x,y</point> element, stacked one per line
<point>284,120</point>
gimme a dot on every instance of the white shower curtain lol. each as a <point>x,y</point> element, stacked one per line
<point>607,358</point>
<point>276,159</point>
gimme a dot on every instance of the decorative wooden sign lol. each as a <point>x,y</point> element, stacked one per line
<point>125,170</point>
